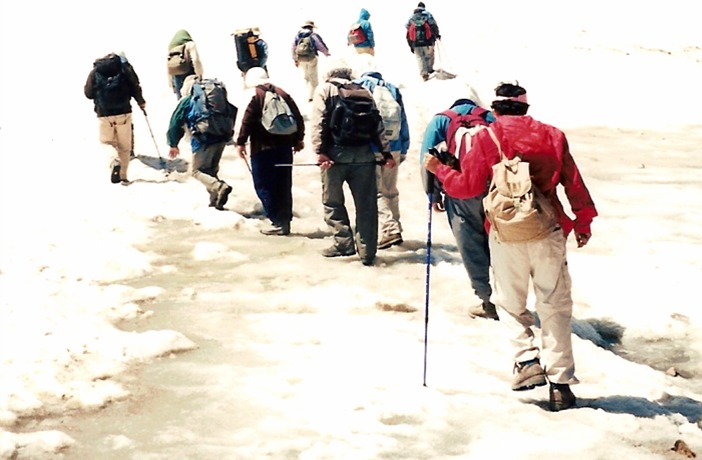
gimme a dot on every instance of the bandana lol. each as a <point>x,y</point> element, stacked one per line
<point>520,98</point>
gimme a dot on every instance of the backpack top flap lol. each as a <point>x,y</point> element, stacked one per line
<point>108,66</point>
<point>276,115</point>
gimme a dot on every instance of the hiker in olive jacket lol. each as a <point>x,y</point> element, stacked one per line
<point>194,66</point>
<point>273,183</point>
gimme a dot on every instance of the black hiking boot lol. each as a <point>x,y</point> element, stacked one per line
<point>114,176</point>
<point>223,196</point>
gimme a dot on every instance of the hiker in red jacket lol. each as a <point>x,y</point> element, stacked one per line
<point>543,260</point>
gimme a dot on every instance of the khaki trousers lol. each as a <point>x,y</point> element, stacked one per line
<point>542,262</point>
<point>116,131</point>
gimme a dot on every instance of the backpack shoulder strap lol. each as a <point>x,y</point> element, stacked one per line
<point>494,138</point>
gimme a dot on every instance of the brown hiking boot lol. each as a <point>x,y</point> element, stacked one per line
<point>484,310</point>
<point>529,374</point>
<point>560,397</point>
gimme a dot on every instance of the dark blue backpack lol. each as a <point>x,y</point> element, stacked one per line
<point>212,116</point>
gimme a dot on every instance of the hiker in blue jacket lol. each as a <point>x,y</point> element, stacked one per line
<point>389,224</point>
<point>363,40</point>
<point>465,217</point>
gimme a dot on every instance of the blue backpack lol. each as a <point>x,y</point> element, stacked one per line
<point>212,116</point>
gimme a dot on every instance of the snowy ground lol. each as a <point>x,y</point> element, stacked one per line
<point>139,323</point>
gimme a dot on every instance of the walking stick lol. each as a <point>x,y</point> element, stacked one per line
<point>357,163</point>
<point>430,195</point>
<point>162,162</point>
<point>248,166</point>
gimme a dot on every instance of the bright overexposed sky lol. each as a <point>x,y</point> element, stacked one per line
<point>139,323</point>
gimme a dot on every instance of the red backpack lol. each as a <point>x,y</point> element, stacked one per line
<point>356,34</point>
<point>460,125</point>
<point>419,31</point>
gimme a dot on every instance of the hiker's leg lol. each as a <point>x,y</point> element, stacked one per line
<point>466,219</point>
<point>123,141</point>
<point>554,304</point>
<point>206,165</point>
<point>511,267</point>
<point>335,213</point>
<point>389,199</point>
<point>363,186</point>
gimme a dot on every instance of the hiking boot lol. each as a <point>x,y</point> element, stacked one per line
<point>368,261</point>
<point>560,397</point>
<point>213,198</point>
<point>125,182</point>
<point>334,251</point>
<point>114,176</point>
<point>530,374</point>
<point>223,196</point>
<point>277,229</point>
<point>390,240</point>
<point>484,310</point>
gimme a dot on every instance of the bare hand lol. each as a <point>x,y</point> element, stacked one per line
<point>431,163</point>
<point>241,149</point>
<point>390,163</point>
<point>173,152</point>
<point>324,161</point>
<point>582,239</point>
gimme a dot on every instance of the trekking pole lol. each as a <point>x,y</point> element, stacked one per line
<point>290,165</point>
<point>248,166</point>
<point>430,195</point>
<point>160,158</point>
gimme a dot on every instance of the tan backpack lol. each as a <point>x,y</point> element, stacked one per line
<point>517,210</point>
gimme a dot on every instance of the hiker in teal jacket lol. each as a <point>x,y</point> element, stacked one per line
<point>367,45</point>
<point>207,151</point>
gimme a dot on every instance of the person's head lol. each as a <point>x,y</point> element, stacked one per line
<point>421,5</point>
<point>255,76</point>
<point>309,25</point>
<point>510,99</point>
<point>338,68</point>
<point>364,14</point>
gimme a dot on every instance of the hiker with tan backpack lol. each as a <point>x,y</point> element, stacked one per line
<point>183,60</point>
<point>525,160</point>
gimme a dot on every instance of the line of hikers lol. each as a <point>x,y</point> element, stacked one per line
<point>358,130</point>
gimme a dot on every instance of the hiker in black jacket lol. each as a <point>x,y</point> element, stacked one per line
<point>422,34</point>
<point>111,85</point>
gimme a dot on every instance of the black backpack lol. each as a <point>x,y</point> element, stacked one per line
<point>249,51</point>
<point>354,117</point>
<point>112,94</point>
<point>212,115</point>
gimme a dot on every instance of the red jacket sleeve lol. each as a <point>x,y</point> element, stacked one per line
<point>476,169</point>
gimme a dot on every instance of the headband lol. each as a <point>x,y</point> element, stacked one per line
<point>521,98</point>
